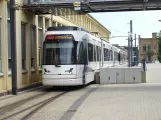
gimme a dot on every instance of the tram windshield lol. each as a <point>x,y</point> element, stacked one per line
<point>59,50</point>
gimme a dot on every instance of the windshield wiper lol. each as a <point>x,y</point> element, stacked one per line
<point>57,66</point>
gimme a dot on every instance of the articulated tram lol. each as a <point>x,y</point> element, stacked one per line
<point>72,55</point>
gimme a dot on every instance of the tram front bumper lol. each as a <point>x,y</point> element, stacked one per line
<point>62,82</point>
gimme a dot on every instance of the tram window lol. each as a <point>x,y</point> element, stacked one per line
<point>80,53</point>
<point>90,52</point>
<point>109,55</point>
<point>97,53</point>
<point>116,56</point>
<point>105,54</point>
<point>94,53</point>
<point>100,54</point>
<point>111,52</point>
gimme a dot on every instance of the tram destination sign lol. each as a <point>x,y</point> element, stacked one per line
<point>58,37</point>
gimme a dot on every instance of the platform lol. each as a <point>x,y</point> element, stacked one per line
<point>94,102</point>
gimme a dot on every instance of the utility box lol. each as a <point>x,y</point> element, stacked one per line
<point>111,75</point>
<point>133,75</point>
<point>103,76</point>
<point>120,75</point>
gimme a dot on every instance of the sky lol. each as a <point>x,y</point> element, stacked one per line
<point>144,23</point>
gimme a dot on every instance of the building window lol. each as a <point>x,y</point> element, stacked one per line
<point>144,48</point>
<point>9,37</point>
<point>65,11</point>
<point>40,37</point>
<point>32,41</point>
<point>149,47</point>
<point>23,45</point>
<point>39,21</point>
<point>59,24</point>
<point>69,13</point>
<point>54,24</point>
<point>40,45</point>
<point>8,11</point>
<point>154,47</point>
<point>40,57</point>
<point>46,24</point>
<point>9,45</point>
<point>0,48</point>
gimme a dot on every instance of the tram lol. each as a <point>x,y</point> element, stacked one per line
<point>72,55</point>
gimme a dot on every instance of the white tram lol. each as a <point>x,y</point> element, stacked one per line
<point>71,56</point>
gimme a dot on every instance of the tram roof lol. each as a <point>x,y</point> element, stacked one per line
<point>66,28</point>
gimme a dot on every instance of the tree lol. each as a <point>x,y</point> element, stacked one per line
<point>149,53</point>
<point>159,48</point>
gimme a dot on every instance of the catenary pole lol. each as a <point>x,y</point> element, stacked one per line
<point>131,40</point>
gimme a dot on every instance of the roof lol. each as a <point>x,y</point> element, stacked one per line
<point>99,23</point>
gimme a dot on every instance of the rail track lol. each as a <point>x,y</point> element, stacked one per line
<point>32,109</point>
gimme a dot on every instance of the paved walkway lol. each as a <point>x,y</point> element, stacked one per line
<point>122,102</point>
<point>97,102</point>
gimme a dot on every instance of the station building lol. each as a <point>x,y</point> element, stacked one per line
<point>148,44</point>
<point>30,30</point>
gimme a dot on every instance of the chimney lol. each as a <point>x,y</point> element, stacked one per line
<point>154,35</point>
